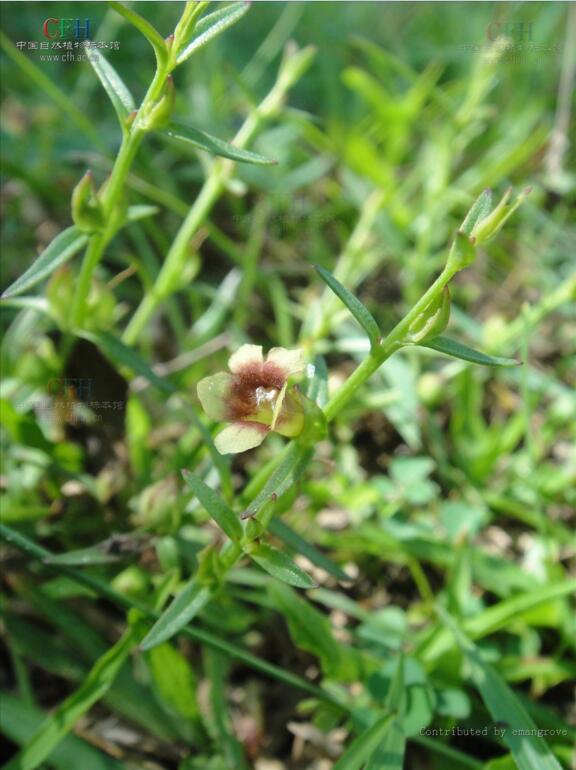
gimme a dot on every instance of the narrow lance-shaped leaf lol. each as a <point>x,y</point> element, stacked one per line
<point>458,350</point>
<point>64,246</point>
<point>188,603</point>
<point>530,752</point>
<point>227,520</point>
<point>211,26</point>
<point>143,25</point>
<point>114,86</point>
<point>281,566</point>
<point>360,313</point>
<point>204,141</point>
<point>365,745</point>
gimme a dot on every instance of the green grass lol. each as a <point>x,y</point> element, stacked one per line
<point>390,588</point>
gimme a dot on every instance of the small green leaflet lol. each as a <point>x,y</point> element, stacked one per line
<point>203,141</point>
<point>281,566</point>
<point>360,313</point>
<point>211,26</point>
<point>227,520</point>
<point>458,350</point>
<point>60,250</point>
<point>114,86</point>
<point>479,211</point>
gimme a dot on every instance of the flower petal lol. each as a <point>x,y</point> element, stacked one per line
<point>214,393</point>
<point>247,354</point>
<point>290,361</point>
<point>239,437</point>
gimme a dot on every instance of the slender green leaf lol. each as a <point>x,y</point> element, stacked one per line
<point>62,720</point>
<point>530,752</point>
<point>19,721</point>
<point>478,211</point>
<point>143,25</point>
<point>227,520</point>
<point>300,545</point>
<point>119,95</point>
<point>174,679</point>
<point>365,745</point>
<point>203,141</point>
<point>360,313</point>
<point>211,26</point>
<point>60,250</point>
<point>281,566</point>
<point>188,603</point>
<point>458,350</point>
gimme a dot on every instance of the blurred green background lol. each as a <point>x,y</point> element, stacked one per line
<point>440,480</point>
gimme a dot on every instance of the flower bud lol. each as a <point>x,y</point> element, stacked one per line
<point>157,507</point>
<point>432,320</point>
<point>87,212</point>
<point>60,295</point>
<point>160,113</point>
<point>487,228</point>
<point>462,253</point>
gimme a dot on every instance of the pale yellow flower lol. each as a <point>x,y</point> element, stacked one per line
<point>254,397</point>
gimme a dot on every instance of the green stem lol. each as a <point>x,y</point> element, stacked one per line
<point>170,275</point>
<point>111,196</point>
<point>386,348</point>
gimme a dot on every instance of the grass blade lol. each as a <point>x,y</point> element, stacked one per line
<point>211,26</point>
<point>281,566</point>
<point>227,520</point>
<point>63,719</point>
<point>365,745</point>
<point>64,246</point>
<point>360,313</point>
<point>458,350</point>
<point>204,141</point>
<point>530,752</point>
<point>117,91</point>
<point>20,721</point>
